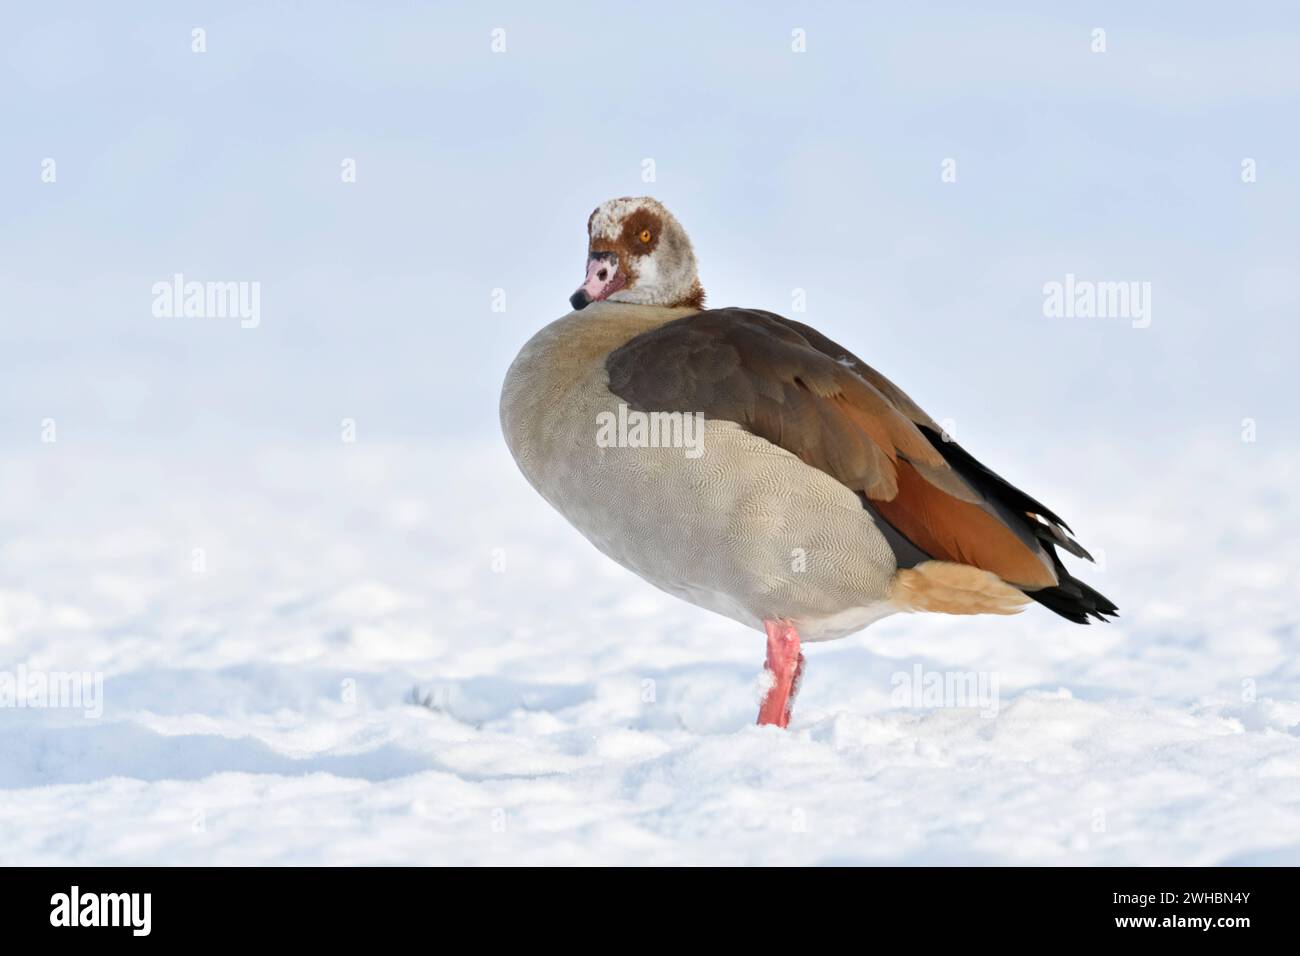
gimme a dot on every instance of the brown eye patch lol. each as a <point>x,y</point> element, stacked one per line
<point>641,232</point>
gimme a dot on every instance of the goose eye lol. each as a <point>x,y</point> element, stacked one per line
<point>645,235</point>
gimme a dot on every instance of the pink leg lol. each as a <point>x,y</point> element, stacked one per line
<point>785,665</point>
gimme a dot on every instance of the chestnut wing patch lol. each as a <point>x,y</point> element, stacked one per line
<point>794,387</point>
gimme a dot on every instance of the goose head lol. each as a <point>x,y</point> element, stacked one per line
<point>638,253</point>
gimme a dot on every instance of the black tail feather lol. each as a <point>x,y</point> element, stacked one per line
<point>1070,598</point>
<point>987,481</point>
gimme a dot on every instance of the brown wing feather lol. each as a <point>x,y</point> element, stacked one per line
<point>786,382</point>
<point>951,529</point>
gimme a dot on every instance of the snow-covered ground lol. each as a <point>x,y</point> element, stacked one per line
<point>258,692</point>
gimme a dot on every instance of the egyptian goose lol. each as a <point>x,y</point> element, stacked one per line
<point>811,497</point>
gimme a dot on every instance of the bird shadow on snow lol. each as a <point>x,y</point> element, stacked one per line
<point>50,755</point>
<point>265,689</point>
<point>48,748</point>
<point>44,747</point>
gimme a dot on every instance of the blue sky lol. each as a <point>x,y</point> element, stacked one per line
<point>476,170</point>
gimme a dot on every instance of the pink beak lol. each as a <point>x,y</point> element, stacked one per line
<point>604,278</point>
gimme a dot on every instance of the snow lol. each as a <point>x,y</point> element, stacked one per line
<point>397,654</point>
